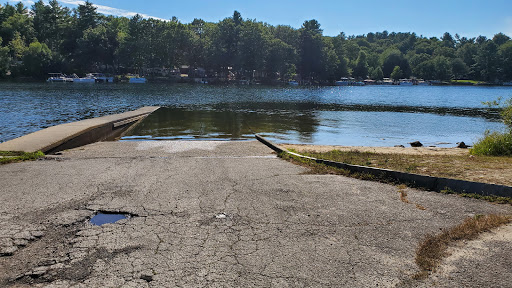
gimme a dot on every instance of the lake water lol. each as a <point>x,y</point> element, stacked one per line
<point>370,116</point>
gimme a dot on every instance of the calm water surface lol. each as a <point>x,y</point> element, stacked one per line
<point>370,116</point>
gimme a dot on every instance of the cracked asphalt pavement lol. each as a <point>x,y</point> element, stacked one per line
<point>214,214</point>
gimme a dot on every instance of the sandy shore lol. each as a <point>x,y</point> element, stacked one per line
<point>392,150</point>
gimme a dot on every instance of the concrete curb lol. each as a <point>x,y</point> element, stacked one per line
<point>75,134</point>
<point>421,181</point>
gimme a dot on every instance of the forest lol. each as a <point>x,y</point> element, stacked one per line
<point>52,38</point>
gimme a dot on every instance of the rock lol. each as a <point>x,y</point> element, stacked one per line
<point>462,145</point>
<point>399,146</point>
<point>147,278</point>
<point>7,251</point>
<point>416,144</point>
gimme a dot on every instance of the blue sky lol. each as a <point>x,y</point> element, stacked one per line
<point>469,18</point>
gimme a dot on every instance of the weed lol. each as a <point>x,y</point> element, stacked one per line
<point>494,144</point>
<point>433,248</point>
<point>10,157</point>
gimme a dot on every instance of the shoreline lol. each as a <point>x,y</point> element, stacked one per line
<point>384,150</point>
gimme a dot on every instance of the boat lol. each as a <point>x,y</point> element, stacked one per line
<point>349,82</point>
<point>507,83</point>
<point>102,78</point>
<point>89,78</point>
<point>405,82</point>
<point>293,83</point>
<point>137,80</point>
<point>59,78</point>
<point>343,82</point>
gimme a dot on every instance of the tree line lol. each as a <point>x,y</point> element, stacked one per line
<point>53,38</point>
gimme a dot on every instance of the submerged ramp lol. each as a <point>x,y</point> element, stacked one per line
<point>71,135</point>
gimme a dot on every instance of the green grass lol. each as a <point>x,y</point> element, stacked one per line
<point>11,157</point>
<point>494,144</point>
<point>466,82</point>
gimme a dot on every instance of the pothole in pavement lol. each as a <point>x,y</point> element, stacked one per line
<point>102,218</point>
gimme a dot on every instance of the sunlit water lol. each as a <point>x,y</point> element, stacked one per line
<point>371,115</point>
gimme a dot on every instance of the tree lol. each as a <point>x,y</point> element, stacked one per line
<point>500,39</point>
<point>443,68</point>
<point>330,61</point>
<point>392,58</point>
<point>311,49</point>
<point>37,60</point>
<point>505,53</point>
<point>459,69</point>
<point>86,15</point>
<point>448,40</point>
<point>397,73</point>
<point>376,74</point>
<point>253,46</point>
<point>486,61</point>
<point>361,69</point>
<point>4,60</point>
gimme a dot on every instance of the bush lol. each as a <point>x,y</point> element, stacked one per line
<point>494,144</point>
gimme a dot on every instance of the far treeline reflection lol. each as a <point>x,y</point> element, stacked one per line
<point>181,123</point>
<point>49,37</point>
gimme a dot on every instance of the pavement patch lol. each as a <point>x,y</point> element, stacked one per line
<point>179,146</point>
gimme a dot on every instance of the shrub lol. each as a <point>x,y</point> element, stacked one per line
<point>494,144</point>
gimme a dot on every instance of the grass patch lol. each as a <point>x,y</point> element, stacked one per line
<point>472,82</point>
<point>490,198</point>
<point>487,169</point>
<point>494,144</point>
<point>433,248</point>
<point>319,168</point>
<point>7,157</point>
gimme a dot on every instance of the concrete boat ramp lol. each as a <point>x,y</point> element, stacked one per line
<point>225,214</point>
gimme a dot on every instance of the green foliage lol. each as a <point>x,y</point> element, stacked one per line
<point>397,73</point>
<point>361,69</point>
<point>7,157</point>
<point>37,60</point>
<point>82,40</point>
<point>376,74</point>
<point>494,144</point>
<point>4,60</point>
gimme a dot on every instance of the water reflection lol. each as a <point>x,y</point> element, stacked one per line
<point>299,125</point>
<point>325,115</point>
<point>182,123</point>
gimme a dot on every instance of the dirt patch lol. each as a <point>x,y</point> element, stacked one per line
<point>452,163</point>
<point>391,150</point>
<point>434,248</point>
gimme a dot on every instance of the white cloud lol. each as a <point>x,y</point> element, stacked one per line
<point>100,8</point>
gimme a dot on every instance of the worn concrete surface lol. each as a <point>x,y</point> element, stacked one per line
<point>220,214</point>
<point>49,138</point>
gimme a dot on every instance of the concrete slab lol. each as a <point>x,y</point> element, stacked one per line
<point>215,214</point>
<point>49,138</point>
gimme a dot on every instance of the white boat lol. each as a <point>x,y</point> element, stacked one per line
<point>293,83</point>
<point>58,78</point>
<point>137,80</point>
<point>102,78</point>
<point>349,82</point>
<point>89,78</point>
